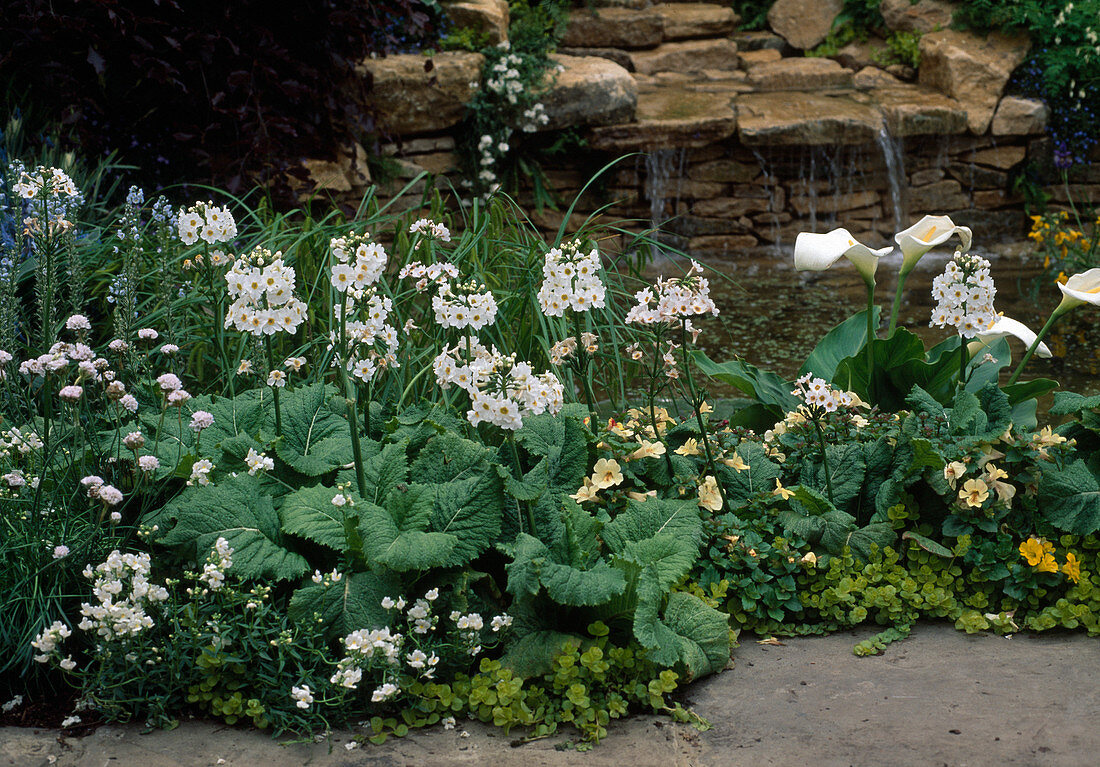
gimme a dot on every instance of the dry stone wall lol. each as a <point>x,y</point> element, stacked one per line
<point>738,141</point>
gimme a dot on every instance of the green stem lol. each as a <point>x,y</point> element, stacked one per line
<point>582,368</point>
<point>1035,345</point>
<point>519,476</point>
<point>696,404</point>
<point>353,424</point>
<point>903,275</point>
<point>871,336</point>
<point>963,360</point>
<point>274,389</point>
<point>824,461</point>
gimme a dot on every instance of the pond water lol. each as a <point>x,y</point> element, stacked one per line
<point>773,316</point>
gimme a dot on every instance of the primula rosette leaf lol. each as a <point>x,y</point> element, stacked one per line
<point>1070,403</point>
<point>309,513</point>
<point>385,471</point>
<point>759,477</point>
<point>1069,498</point>
<point>349,604</point>
<point>316,440</point>
<point>395,535</point>
<point>449,456</point>
<point>232,509</point>
<point>532,654</point>
<point>846,471</point>
<point>643,520</point>
<point>692,633</point>
<point>470,510</point>
<point>563,442</point>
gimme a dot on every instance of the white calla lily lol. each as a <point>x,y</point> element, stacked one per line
<point>917,240</point>
<point>926,234</point>
<point>1083,288</point>
<point>1006,326</point>
<point>817,252</point>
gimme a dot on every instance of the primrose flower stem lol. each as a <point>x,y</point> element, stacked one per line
<point>274,389</point>
<point>353,423</point>
<point>1035,344</point>
<point>824,461</point>
<point>696,404</point>
<point>519,475</point>
<point>582,368</point>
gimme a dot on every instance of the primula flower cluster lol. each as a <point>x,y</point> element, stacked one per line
<point>1039,553</point>
<point>431,274</point>
<point>964,295</point>
<point>673,301</point>
<point>207,222</point>
<point>218,561</point>
<point>464,305</point>
<point>502,391</point>
<point>818,393</point>
<point>359,262</point>
<point>429,228</point>
<point>121,584</point>
<point>262,287</point>
<point>571,280</point>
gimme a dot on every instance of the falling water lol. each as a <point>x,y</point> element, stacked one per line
<point>895,172</point>
<point>773,203</point>
<point>662,167</point>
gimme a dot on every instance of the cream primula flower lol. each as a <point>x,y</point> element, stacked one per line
<point>606,473</point>
<point>709,497</point>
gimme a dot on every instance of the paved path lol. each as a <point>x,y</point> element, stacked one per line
<point>937,698</point>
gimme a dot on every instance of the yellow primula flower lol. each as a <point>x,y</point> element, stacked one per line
<point>641,497</point>
<point>1072,567</point>
<point>953,471</point>
<point>587,492</point>
<point>781,491</point>
<point>709,497</point>
<point>1048,565</point>
<point>649,450</point>
<point>606,473</point>
<point>690,447</point>
<point>974,492</point>
<point>1035,550</point>
<point>736,462</point>
<point>705,408</point>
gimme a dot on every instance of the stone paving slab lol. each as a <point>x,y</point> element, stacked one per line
<point>938,698</point>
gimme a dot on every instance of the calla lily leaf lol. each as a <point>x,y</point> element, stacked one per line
<point>926,234</point>
<point>817,252</point>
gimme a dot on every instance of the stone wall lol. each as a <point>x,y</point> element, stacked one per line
<point>740,142</point>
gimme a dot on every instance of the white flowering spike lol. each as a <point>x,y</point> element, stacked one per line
<point>671,301</point>
<point>1083,288</point>
<point>964,294</point>
<point>207,222</point>
<point>817,252</point>
<point>262,287</point>
<point>1006,326</point>
<point>926,234</point>
<point>571,280</point>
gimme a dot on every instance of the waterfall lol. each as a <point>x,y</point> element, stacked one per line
<point>662,167</point>
<point>895,172</point>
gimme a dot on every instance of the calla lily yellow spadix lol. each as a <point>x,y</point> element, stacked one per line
<point>1078,290</point>
<point>1002,328</point>
<point>917,240</point>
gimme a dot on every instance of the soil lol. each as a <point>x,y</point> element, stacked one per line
<point>939,697</point>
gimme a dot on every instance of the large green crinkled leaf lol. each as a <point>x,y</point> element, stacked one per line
<point>863,540</point>
<point>352,603</point>
<point>470,510</point>
<point>1071,403</point>
<point>309,513</point>
<point>563,442</point>
<point>384,471</point>
<point>449,456</point>
<point>395,535</point>
<point>846,472</point>
<point>315,440</point>
<point>704,634</point>
<point>641,520</point>
<point>878,457</point>
<point>663,559</point>
<point>534,566</point>
<point>893,375</point>
<point>768,388</point>
<point>758,478</point>
<point>1070,498</point>
<point>233,510</point>
<point>844,340</point>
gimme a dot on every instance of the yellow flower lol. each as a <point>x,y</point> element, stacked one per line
<point>809,558</point>
<point>709,497</point>
<point>1072,567</point>
<point>1048,565</point>
<point>974,492</point>
<point>606,473</point>
<point>781,491</point>
<point>1047,438</point>
<point>641,497</point>
<point>586,493</point>
<point>1038,552</point>
<point>953,471</point>
<point>649,450</point>
<point>690,447</point>
<point>705,408</point>
<point>736,462</point>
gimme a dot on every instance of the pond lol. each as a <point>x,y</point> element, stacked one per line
<point>773,316</point>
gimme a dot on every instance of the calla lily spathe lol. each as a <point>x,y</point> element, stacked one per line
<point>1006,326</point>
<point>817,252</point>
<point>926,234</point>
<point>1083,288</point>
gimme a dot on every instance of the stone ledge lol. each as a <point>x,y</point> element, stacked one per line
<point>590,91</point>
<point>670,118</point>
<point>408,98</point>
<point>794,117</point>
